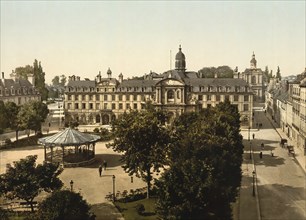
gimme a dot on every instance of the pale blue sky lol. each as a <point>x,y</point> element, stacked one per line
<point>85,37</point>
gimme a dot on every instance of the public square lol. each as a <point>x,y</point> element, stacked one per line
<point>279,184</point>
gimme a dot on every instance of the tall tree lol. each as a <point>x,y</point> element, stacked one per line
<point>278,74</point>
<point>55,81</point>
<point>63,80</point>
<point>205,161</point>
<point>3,119</point>
<point>39,76</point>
<point>31,115</point>
<point>24,71</point>
<point>11,112</point>
<point>25,180</point>
<point>143,141</point>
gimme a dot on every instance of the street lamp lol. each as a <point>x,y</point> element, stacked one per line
<point>253,182</point>
<point>249,133</point>
<point>71,185</point>
<point>250,149</point>
<point>114,196</point>
<point>59,108</point>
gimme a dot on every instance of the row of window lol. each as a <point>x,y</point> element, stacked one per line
<point>109,106</point>
<point>152,89</point>
<point>15,92</point>
<point>170,95</point>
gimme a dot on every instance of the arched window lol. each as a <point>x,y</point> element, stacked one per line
<point>178,96</point>
<point>253,81</point>
<point>170,94</point>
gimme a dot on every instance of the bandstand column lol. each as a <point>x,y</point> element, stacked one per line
<point>45,153</point>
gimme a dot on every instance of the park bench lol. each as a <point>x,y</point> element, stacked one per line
<point>28,204</point>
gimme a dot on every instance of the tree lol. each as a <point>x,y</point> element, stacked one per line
<point>63,80</point>
<point>143,141</point>
<point>55,81</point>
<point>39,76</point>
<point>64,204</point>
<point>204,170</point>
<point>3,118</point>
<point>221,71</point>
<point>24,180</point>
<point>278,74</point>
<point>31,115</point>
<point>23,72</point>
<point>11,112</point>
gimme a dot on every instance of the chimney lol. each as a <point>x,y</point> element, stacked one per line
<point>120,78</point>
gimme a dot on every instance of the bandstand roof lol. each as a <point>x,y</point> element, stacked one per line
<point>69,137</point>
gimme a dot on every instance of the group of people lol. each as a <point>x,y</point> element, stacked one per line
<point>101,167</point>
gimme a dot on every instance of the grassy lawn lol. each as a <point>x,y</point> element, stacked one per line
<point>129,212</point>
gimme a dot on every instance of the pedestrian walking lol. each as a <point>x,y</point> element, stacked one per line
<point>272,155</point>
<point>260,155</point>
<point>100,170</point>
<point>104,164</point>
<point>262,146</point>
<point>253,135</point>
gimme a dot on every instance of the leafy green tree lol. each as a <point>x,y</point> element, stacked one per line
<point>63,205</point>
<point>55,81</point>
<point>24,71</point>
<point>221,71</point>
<point>143,141</point>
<point>11,112</point>
<point>24,180</point>
<point>204,171</point>
<point>63,80</point>
<point>39,76</point>
<point>3,118</point>
<point>32,115</point>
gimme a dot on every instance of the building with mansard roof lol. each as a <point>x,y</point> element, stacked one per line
<point>176,91</point>
<point>18,90</point>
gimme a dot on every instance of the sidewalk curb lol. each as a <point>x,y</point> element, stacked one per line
<point>295,160</point>
<point>256,189</point>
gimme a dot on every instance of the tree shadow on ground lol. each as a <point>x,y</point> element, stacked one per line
<point>268,160</point>
<point>282,202</point>
<point>113,160</point>
<point>105,211</point>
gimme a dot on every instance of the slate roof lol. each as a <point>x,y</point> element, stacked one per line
<point>215,82</point>
<point>137,83</point>
<point>82,83</point>
<point>18,83</point>
<point>69,137</point>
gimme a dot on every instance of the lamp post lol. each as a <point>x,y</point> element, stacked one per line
<point>59,112</point>
<point>71,185</point>
<point>249,133</point>
<point>250,149</point>
<point>114,195</point>
<point>253,182</point>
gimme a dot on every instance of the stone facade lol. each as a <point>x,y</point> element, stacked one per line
<point>176,91</point>
<point>286,104</point>
<point>255,78</point>
<point>18,90</point>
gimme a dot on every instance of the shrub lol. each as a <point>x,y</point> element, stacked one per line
<point>96,130</point>
<point>1,131</point>
<point>140,208</point>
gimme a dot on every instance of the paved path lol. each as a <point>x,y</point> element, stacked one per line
<point>86,180</point>
<point>281,180</point>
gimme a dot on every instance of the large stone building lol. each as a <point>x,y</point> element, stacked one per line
<point>17,89</point>
<point>176,91</point>
<point>286,102</point>
<point>255,78</point>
